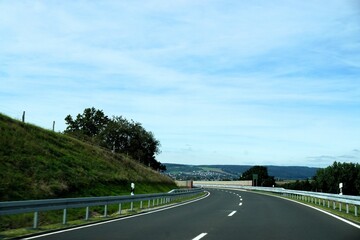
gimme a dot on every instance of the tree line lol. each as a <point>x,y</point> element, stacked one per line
<point>325,180</point>
<point>116,134</point>
<point>259,175</point>
<point>328,180</point>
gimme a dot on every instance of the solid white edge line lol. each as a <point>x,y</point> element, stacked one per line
<point>318,209</point>
<point>328,213</point>
<point>232,213</point>
<point>115,220</point>
<point>200,236</point>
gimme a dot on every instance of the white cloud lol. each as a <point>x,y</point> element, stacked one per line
<point>276,80</point>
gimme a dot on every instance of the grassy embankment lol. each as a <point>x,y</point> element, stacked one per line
<point>41,164</point>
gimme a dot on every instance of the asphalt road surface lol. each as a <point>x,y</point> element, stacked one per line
<point>224,214</point>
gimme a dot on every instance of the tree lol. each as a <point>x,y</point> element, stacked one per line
<point>117,134</point>
<point>89,124</point>
<point>263,178</point>
<point>328,179</point>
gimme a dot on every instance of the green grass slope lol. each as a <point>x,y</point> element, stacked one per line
<point>38,164</point>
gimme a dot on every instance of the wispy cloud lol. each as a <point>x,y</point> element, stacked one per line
<point>350,157</point>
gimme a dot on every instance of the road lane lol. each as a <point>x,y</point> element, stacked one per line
<point>254,216</point>
<point>268,217</point>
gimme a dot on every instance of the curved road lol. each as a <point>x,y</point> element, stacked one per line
<point>225,214</point>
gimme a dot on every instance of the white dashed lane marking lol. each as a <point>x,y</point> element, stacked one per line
<point>232,213</point>
<point>200,236</point>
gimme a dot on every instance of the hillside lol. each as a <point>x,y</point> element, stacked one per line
<point>37,164</point>
<point>232,172</point>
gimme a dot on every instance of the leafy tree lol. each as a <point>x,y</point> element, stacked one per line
<point>88,124</point>
<point>328,179</point>
<point>263,177</point>
<point>117,134</point>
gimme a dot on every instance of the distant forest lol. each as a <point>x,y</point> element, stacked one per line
<point>328,180</point>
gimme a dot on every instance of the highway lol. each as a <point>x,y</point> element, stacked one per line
<point>224,214</point>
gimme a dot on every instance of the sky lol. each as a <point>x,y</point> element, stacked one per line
<point>217,82</point>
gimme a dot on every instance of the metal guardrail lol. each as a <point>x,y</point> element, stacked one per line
<point>36,206</point>
<point>313,197</point>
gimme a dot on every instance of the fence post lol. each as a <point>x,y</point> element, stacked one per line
<point>36,220</point>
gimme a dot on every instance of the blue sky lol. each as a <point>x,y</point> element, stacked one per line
<point>217,82</point>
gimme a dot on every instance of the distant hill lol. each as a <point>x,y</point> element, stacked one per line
<point>37,164</point>
<point>232,172</point>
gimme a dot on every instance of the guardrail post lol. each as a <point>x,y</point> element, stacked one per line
<point>334,205</point>
<point>356,214</point>
<point>131,206</point>
<point>340,206</point>
<point>328,204</point>
<point>323,202</point>
<point>347,208</point>
<point>149,203</point>
<point>119,208</point>
<point>87,214</point>
<point>36,220</point>
<point>153,202</point>
<point>105,210</point>
<point>141,205</point>
<point>64,216</point>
